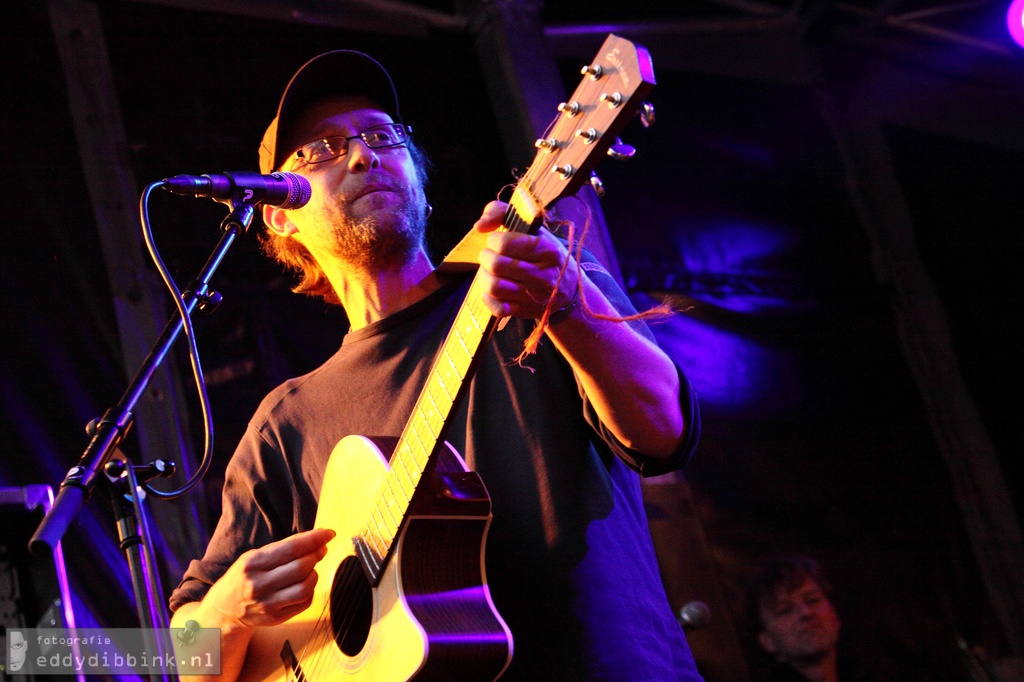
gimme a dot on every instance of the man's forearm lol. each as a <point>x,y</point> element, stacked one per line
<point>632,384</point>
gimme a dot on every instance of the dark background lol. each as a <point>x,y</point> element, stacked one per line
<point>786,136</point>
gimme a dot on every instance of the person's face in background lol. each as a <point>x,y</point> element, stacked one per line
<point>799,625</point>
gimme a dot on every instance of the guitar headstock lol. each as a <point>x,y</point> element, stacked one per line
<point>613,88</point>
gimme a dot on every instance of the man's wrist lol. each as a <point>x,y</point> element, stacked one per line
<point>568,310</point>
<point>563,313</point>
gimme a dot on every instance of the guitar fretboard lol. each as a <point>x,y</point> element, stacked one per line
<point>424,431</point>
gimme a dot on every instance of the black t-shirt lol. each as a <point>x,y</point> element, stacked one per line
<point>569,558</point>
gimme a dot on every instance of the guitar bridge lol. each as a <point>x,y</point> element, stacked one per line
<point>292,669</point>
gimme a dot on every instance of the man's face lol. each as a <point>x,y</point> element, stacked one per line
<point>799,624</point>
<point>367,206</point>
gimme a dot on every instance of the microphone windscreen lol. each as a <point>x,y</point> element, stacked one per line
<point>299,190</point>
<point>694,615</point>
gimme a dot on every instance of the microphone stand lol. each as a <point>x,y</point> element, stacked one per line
<point>977,664</point>
<point>122,477</point>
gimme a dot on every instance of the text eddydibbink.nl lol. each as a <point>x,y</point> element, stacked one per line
<point>192,650</point>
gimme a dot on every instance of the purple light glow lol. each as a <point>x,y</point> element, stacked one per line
<point>737,277</point>
<point>730,371</point>
<point>1015,21</point>
<point>102,556</point>
<point>472,638</point>
<point>733,256</point>
<point>468,600</point>
<point>465,596</point>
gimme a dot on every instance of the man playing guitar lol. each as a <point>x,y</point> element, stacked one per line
<point>568,587</point>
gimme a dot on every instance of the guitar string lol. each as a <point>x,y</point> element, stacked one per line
<point>403,461</point>
<point>381,544</point>
<point>344,603</point>
<point>323,639</point>
<point>304,658</point>
<point>351,601</point>
<point>374,534</point>
<point>323,634</point>
<point>312,658</point>
<point>348,603</point>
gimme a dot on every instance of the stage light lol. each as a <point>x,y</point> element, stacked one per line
<point>1015,21</point>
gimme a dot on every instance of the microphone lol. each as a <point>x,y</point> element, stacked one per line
<point>284,190</point>
<point>694,615</point>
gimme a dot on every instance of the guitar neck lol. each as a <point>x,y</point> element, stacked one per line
<point>424,432</point>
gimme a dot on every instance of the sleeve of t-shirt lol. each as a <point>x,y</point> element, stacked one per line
<point>253,514</point>
<point>640,462</point>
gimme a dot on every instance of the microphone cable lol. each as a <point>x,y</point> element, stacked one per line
<point>193,351</point>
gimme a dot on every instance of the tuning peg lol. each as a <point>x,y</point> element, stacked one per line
<point>620,151</point>
<point>612,99</point>
<point>565,170</point>
<point>570,109</point>
<point>549,145</point>
<point>647,114</point>
<point>596,183</point>
<point>595,71</point>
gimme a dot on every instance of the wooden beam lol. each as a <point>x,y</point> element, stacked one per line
<point>387,17</point>
<point>160,419</point>
<point>956,423</point>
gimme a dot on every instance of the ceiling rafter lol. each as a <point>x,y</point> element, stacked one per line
<point>953,22</point>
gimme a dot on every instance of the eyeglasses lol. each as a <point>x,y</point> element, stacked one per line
<point>376,137</point>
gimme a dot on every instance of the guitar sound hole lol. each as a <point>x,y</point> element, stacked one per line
<point>351,606</point>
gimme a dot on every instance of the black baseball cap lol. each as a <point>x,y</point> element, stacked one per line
<point>340,72</point>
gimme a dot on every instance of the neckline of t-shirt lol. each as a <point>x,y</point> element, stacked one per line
<point>417,309</point>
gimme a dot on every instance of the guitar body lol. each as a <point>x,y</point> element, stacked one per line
<point>429,618</point>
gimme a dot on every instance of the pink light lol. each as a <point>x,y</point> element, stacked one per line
<point>1015,21</point>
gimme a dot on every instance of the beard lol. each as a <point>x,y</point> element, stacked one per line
<point>379,241</point>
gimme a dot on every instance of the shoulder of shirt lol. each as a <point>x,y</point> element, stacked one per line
<point>271,402</point>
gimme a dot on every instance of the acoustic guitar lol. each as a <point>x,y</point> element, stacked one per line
<point>403,592</point>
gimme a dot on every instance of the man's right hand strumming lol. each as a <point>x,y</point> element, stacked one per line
<point>264,586</point>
